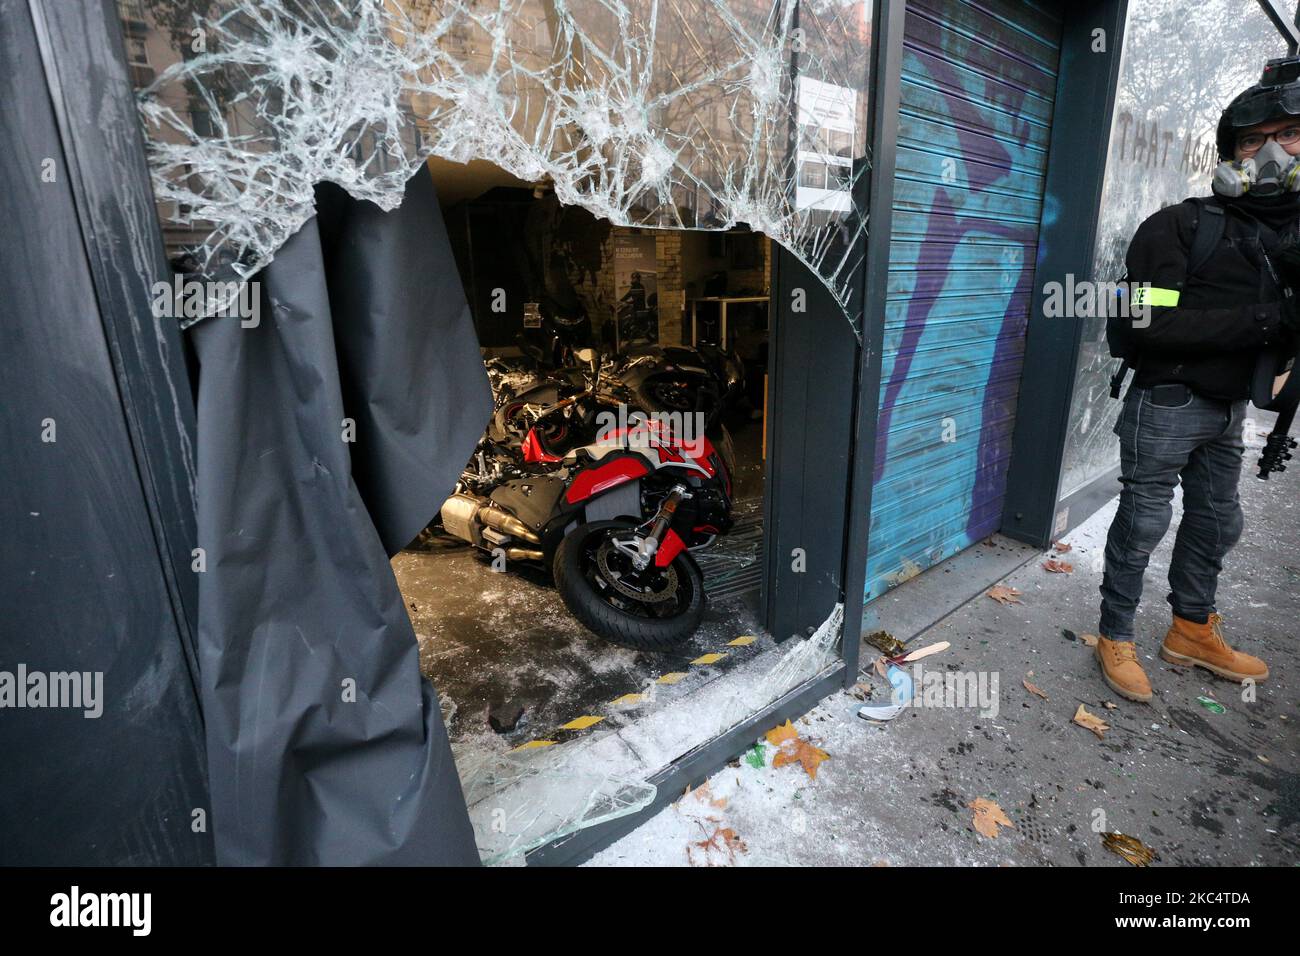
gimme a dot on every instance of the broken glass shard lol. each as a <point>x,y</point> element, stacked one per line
<point>681,114</point>
<point>520,801</point>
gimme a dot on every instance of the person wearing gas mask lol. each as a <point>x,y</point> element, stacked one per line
<point>1220,273</point>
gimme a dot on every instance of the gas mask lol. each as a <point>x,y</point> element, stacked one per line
<point>1270,172</point>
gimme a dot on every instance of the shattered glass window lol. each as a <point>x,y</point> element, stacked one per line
<point>522,799</point>
<point>695,114</point>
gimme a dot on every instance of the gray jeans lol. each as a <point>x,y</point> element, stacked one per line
<point>1167,433</point>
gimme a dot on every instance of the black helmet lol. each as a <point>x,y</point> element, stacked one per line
<point>1275,96</point>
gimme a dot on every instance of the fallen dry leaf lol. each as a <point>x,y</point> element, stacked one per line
<point>780,734</point>
<point>1061,547</point>
<point>988,817</point>
<point>1058,567</point>
<point>1004,595</point>
<point>703,794</point>
<point>1128,848</point>
<point>733,842</point>
<point>802,752</point>
<point>723,840</point>
<point>791,748</point>
<point>927,651</point>
<point>882,668</point>
<point>1091,721</point>
<point>1034,689</point>
<point>1089,639</point>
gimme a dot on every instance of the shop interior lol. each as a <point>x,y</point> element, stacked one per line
<point>663,320</point>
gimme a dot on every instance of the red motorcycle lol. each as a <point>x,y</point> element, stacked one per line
<point>615,517</point>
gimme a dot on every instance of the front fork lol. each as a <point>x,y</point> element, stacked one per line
<point>645,550</point>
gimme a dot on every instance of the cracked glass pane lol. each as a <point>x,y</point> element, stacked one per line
<point>522,799</point>
<point>518,802</point>
<point>697,114</point>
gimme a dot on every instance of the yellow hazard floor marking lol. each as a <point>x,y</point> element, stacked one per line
<point>581,723</point>
<point>672,677</point>
<point>534,744</point>
<point>708,659</point>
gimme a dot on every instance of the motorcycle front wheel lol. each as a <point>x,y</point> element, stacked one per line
<point>653,610</point>
<point>668,395</point>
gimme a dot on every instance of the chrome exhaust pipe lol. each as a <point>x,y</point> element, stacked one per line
<point>524,554</point>
<point>462,514</point>
<point>503,521</point>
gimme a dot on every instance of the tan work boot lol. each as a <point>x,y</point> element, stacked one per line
<point>1121,670</point>
<point>1203,645</point>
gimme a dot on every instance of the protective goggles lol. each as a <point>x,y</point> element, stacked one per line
<point>1267,104</point>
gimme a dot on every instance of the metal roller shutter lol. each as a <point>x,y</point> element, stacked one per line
<point>979,80</point>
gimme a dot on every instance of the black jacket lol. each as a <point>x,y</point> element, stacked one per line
<point>1226,312</point>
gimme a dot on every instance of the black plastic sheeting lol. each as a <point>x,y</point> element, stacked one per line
<point>362,316</point>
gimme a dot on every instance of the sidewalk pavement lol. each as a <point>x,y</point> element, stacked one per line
<point>1197,786</point>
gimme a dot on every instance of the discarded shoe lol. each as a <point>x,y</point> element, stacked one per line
<point>1121,670</point>
<point>1202,645</point>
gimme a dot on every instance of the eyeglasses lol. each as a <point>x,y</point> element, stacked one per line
<point>1253,142</point>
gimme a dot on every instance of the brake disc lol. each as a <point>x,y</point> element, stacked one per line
<point>665,576</point>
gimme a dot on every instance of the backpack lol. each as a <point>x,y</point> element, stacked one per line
<point>1205,239</point>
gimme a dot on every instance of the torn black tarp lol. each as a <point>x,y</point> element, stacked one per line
<point>325,745</point>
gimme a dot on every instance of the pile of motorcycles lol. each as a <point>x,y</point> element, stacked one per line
<point>609,471</point>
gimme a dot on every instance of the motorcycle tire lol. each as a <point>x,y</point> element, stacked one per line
<point>591,597</point>
<point>667,395</point>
